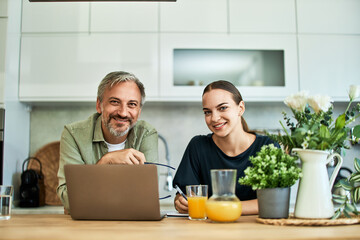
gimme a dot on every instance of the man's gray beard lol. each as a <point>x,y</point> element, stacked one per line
<point>117,133</point>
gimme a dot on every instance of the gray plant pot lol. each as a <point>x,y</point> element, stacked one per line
<point>273,202</point>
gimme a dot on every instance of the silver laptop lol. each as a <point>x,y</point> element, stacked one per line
<point>113,192</point>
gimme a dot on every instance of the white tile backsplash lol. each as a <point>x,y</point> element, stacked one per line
<point>177,122</point>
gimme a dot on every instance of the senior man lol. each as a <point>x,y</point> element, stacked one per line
<point>112,135</point>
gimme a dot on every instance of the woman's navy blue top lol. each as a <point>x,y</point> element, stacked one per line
<point>202,155</point>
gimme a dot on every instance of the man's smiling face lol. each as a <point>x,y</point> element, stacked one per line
<point>120,109</point>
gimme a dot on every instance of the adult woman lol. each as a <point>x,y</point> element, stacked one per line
<point>228,147</point>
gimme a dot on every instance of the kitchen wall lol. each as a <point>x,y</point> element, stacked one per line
<point>177,122</point>
<point>3,29</point>
<point>17,116</point>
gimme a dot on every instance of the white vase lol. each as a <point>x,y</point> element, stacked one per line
<point>314,198</point>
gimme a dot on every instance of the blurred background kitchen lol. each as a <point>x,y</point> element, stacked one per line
<point>53,56</point>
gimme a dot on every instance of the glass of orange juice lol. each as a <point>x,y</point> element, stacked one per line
<point>197,196</point>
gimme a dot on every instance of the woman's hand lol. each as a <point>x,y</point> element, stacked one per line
<point>181,204</point>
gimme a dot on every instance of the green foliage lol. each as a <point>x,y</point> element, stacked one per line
<point>356,132</point>
<point>316,129</point>
<point>352,186</point>
<point>272,168</point>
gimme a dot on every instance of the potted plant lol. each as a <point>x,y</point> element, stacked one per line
<point>352,186</point>
<point>272,174</point>
<point>314,135</point>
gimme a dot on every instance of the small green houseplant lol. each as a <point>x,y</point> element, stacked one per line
<point>272,168</point>
<point>351,185</point>
<point>272,174</point>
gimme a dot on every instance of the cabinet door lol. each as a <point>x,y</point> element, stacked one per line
<point>194,16</point>
<point>171,42</point>
<point>329,16</point>
<point>122,17</point>
<point>329,64</point>
<point>3,8</point>
<point>70,67</point>
<point>55,17</point>
<point>274,16</point>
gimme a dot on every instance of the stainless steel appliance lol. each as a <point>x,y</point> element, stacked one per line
<point>2,125</point>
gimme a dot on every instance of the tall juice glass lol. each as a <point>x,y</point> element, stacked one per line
<point>5,202</point>
<point>197,196</point>
<point>223,205</point>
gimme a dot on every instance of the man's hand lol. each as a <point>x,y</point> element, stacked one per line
<point>128,156</point>
<point>181,205</point>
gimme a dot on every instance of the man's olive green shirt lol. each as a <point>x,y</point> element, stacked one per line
<point>83,143</point>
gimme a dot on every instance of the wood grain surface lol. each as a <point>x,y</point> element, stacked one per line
<point>63,227</point>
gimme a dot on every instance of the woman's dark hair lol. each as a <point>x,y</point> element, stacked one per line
<point>228,86</point>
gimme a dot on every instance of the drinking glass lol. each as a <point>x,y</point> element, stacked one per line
<point>5,202</point>
<point>197,196</point>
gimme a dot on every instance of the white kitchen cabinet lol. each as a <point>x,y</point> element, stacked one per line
<point>3,8</point>
<point>55,17</point>
<point>329,64</point>
<point>122,17</point>
<point>194,16</point>
<point>70,67</point>
<point>262,16</point>
<point>329,16</point>
<point>170,43</point>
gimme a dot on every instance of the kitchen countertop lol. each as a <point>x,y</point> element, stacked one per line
<point>39,210</point>
<point>58,226</point>
<point>60,209</point>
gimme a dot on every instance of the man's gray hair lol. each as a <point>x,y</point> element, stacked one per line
<point>114,78</point>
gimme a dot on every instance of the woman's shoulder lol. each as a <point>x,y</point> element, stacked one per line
<point>264,140</point>
<point>199,145</point>
<point>201,138</point>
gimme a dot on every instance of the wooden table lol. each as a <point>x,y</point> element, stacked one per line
<point>63,227</point>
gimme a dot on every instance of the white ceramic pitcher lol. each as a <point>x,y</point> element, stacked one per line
<point>314,198</point>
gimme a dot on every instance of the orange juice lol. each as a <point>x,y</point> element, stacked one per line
<point>223,211</point>
<point>197,207</point>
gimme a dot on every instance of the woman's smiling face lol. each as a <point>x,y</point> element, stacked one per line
<point>222,114</point>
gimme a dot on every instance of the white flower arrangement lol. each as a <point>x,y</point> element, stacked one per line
<point>354,92</point>
<point>297,101</point>
<point>320,103</point>
<point>317,130</point>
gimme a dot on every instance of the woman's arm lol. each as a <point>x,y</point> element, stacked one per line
<point>250,207</point>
